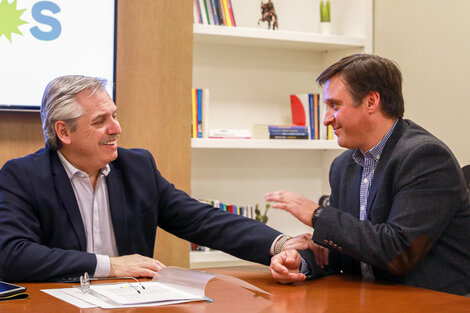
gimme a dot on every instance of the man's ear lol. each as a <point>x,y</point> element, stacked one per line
<point>373,101</point>
<point>63,132</point>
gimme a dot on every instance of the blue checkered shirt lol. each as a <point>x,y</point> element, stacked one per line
<point>368,161</point>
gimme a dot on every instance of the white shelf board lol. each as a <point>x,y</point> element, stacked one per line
<point>210,256</point>
<point>303,144</point>
<point>213,258</point>
<point>244,36</point>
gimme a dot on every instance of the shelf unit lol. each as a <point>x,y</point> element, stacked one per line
<point>250,72</point>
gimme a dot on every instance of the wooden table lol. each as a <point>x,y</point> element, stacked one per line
<point>330,294</point>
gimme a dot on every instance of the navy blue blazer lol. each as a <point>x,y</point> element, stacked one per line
<point>417,230</point>
<point>42,236</point>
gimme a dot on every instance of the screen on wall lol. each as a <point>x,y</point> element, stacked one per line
<point>41,40</point>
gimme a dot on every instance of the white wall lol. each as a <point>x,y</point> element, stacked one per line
<point>430,40</point>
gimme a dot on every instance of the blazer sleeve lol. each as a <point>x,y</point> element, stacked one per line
<point>24,256</point>
<point>419,193</point>
<point>205,225</point>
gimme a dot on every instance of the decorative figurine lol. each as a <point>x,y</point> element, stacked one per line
<point>268,14</point>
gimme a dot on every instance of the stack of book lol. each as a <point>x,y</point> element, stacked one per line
<point>214,12</point>
<point>229,133</point>
<point>200,112</point>
<point>308,111</point>
<point>263,131</point>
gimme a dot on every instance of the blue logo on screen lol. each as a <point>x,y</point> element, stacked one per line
<point>42,12</point>
<point>38,16</point>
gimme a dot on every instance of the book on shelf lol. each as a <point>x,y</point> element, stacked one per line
<point>307,110</point>
<point>214,12</point>
<point>200,113</point>
<point>246,210</point>
<point>226,133</point>
<point>196,13</point>
<point>193,113</point>
<point>265,131</point>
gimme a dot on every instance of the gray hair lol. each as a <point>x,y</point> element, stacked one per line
<point>59,104</point>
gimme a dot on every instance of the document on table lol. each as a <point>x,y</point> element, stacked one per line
<point>171,285</point>
<point>124,294</point>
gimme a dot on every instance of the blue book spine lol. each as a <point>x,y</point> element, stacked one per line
<point>288,133</point>
<point>219,12</point>
<point>199,113</point>
<point>214,13</point>
<point>286,127</point>
<point>312,120</point>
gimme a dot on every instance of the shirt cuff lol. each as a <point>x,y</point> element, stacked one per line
<point>304,268</point>
<point>103,266</point>
<point>271,251</point>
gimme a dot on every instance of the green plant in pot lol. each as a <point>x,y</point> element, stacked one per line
<point>262,218</point>
<point>325,17</point>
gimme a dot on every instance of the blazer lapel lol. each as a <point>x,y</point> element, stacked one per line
<point>67,196</point>
<point>353,185</point>
<point>379,170</point>
<point>118,209</point>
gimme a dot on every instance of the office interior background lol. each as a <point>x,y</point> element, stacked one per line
<point>427,38</point>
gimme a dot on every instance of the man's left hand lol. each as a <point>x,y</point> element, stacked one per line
<point>303,242</point>
<point>299,206</point>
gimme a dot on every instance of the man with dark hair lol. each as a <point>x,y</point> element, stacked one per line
<point>82,204</point>
<point>399,208</point>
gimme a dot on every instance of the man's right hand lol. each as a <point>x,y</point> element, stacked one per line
<point>285,267</point>
<point>134,265</point>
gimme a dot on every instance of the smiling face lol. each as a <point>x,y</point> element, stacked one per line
<point>351,123</point>
<point>93,143</point>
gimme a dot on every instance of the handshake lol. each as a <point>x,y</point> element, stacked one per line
<point>285,266</point>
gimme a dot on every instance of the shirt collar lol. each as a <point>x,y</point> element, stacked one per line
<point>376,151</point>
<point>72,170</point>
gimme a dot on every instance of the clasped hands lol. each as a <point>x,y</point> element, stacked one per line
<point>285,266</point>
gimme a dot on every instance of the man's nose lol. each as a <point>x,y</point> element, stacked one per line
<point>114,128</point>
<point>329,117</point>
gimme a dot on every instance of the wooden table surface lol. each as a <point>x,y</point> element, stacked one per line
<point>330,294</point>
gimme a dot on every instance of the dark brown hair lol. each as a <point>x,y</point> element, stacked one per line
<point>364,73</point>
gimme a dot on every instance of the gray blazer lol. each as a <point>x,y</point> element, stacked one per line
<point>417,230</point>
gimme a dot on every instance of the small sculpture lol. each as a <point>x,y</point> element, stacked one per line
<point>268,14</point>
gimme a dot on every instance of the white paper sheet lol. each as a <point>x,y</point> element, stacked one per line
<point>169,286</point>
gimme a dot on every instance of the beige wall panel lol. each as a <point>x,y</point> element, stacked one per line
<point>429,40</point>
<point>20,134</point>
<point>154,70</point>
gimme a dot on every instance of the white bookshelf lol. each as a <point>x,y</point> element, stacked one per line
<point>250,72</point>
